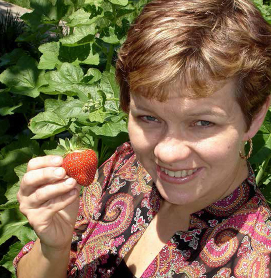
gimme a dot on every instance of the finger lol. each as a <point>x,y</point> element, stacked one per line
<point>44,161</point>
<point>50,192</point>
<point>42,217</point>
<point>65,201</point>
<point>35,178</point>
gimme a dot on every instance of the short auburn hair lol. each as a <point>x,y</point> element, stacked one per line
<point>198,44</point>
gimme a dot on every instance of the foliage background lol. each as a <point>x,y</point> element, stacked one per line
<point>58,81</point>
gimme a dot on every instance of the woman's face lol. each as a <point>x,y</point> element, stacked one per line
<point>190,147</point>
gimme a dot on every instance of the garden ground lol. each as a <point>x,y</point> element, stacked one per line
<point>4,6</point>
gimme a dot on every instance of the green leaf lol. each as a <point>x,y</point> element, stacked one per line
<point>7,260</point>
<point>53,104</point>
<point>98,116</point>
<point>56,151</point>
<point>24,78</point>
<point>15,154</point>
<point>78,54</point>
<point>13,224</point>
<point>92,76</point>
<point>109,85</point>
<point>266,126</point>
<point>119,2</point>
<point>80,18</point>
<point>262,153</point>
<point>79,34</point>
<point>67,75</point>
<point>48,10</point>
<point>12,57</point>
<point>110,129</point>
<point>11,194</point>
<point>4,111</point>
<point>65,109</point>
<point>47,124</point>
<point>20,170</point>
<point>49,59</point>
<point>97,3</point>
<point>92,59</point>
<point>111,38</point>
<point>69,79</point>
<point>262,142</point>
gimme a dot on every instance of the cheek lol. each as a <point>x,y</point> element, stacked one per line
<point>221,149</point>
<point>142,141</point>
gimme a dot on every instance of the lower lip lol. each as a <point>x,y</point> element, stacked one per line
<point>163,176</point>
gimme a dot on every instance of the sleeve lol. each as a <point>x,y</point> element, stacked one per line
<point>89,203</point>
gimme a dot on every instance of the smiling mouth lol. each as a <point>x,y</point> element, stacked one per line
<point>178,174</point>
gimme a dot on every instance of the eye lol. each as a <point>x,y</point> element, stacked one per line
<point>203,123</point>
<point>149,119</point>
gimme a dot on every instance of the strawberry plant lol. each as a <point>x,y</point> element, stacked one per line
<point>60,84</point>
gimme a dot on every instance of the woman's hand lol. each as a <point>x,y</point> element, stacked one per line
<point>50,200</point>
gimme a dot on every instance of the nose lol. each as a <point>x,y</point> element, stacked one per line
<point>170,151</point>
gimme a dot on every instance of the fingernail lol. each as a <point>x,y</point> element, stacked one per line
<point>56,159</point>
<point>59,172</point>
<point>69,181</point>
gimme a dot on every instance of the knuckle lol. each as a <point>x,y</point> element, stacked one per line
<point>31,221</point>
<point>27,179</point>
<point>38,195</point>
<point>31,163</point>
<point>18,196</point>
<point>22,208</point>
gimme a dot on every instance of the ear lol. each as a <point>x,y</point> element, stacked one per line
<point>257,121</point>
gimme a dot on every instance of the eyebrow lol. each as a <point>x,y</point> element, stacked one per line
<point>208,113</point>
<point>193,114</point>
<point>139,107</point>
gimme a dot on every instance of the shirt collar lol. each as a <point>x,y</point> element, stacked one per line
<point>229,205</point>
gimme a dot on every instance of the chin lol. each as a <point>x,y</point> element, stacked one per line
<point>175,198</point>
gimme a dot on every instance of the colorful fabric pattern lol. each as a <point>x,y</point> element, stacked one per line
<point>230,238</point>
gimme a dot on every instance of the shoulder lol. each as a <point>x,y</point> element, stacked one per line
<point>122,154</point>
<point>254,250</point>
<point>241,242</point>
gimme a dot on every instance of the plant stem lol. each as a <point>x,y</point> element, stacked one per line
<point>41,98</point>
<point>109,57</point>
<point>262,170</point>
<point>27,122</point>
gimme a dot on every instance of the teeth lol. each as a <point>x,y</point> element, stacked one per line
<point>178,174</point>
<point>171,173</point>
<point>184,173</point>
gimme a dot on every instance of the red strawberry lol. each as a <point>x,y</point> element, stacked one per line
<point>81,165</point>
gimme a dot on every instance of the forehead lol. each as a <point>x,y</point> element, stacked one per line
<point>185,99</point>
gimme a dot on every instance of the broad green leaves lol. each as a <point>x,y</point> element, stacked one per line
<point>61,84</point>
<point>119,2</point>
<point>262,153</point>
<point>24,78</point>
<point>47,124</point>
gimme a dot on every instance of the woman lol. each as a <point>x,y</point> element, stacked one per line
<point>180,199</point>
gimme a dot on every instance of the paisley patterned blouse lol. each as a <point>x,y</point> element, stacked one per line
<point>230,238</point>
